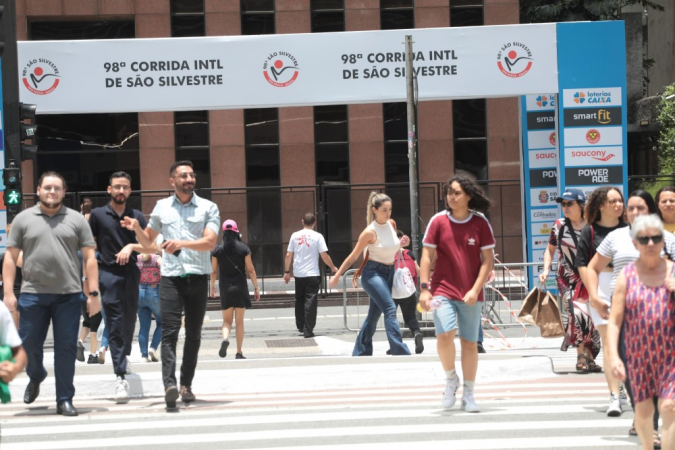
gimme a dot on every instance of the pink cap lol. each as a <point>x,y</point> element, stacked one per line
<point>230,225</point>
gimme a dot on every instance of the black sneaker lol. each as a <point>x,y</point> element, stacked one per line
<point>481,349</point>
<point>308,334</point>
<point>419,346</point>
<point>93,359</point>
<point>223,348</point>
<point>240,356</point>
<point>170,397</point>
<point>80,352</point>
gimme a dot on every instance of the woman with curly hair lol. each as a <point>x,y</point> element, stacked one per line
<point>605,213</point>
<point>463,244</point>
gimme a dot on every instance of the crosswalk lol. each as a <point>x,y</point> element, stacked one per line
<point>556,413</point>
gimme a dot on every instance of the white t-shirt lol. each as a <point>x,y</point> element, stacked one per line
<point>8,334</point>
<point>306,245</point>
<point>618,246</point>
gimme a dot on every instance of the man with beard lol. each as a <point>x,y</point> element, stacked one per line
<point>190,226</point>
<point>50,236</point>
<point>119,274</point>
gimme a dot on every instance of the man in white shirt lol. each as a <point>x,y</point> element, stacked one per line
<point>304,249</point>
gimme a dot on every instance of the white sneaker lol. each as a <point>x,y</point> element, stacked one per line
<point>128,371</point>
<point>146,359</point>
<point>152,354</point>
<point>469,403</point>
<point>614,409</point>
<point>623,395</point>
<point>121,391</point>
<point>450,393</point>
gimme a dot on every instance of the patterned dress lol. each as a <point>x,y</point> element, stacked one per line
<point>649,325</point>
<point>579,329</point>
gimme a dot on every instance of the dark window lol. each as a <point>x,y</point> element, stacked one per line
<point>395,142</point>
<point>330,124</point>
<point>469,125</point>
<point>466,13</point>
<point>261,126</point>
<point>395,121</point>
<point>327,15</point>
<point>455,3</point>
<point>187,6</point>
<point>257,17</point>
<point>187,18</point>
<point>332,146</point>
<point>471,156</point>
<point>192,143</point>
<point>262,166</point>
<point>108,29</point>
<point>397,14</point>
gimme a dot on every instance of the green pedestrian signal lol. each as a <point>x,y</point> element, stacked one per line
<point>12,197</point>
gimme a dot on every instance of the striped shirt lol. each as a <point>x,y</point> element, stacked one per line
<point>185,222</point>
<point>618,246</point>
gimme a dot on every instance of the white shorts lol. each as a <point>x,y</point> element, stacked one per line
<point>605,294</point>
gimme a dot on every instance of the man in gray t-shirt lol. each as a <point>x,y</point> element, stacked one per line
<point>50,236</point>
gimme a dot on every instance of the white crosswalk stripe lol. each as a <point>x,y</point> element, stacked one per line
<point>537,414</point>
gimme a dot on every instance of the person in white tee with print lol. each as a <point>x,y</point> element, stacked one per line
<point>304,250</point>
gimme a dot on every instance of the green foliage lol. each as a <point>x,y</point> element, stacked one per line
<point>666,120</point>
<point>538,11</point>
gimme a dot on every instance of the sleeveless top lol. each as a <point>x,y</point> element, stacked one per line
<point>149,270</point>
<point>387,244</point>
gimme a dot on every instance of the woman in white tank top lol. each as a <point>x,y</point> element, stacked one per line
<point>380,239</point>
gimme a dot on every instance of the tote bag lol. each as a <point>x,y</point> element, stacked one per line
<point>403,286</point>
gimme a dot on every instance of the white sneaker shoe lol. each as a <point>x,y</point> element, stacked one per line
<point>146,359</point>
<point>121,391</point>
<point>128,371</point>
<point>152,354</point>
<point>450,393</point>
<point>623,395</point>
<point>614,409</point>
<point>469,403</point>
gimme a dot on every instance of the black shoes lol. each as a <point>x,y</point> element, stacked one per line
<point>186,394</point>
<point>240,356</point>
<point>66,408</point>
<point>223,348</point>
<point>481,349</point>
<point>308,334</point>
<point>93,359</point>
<point>80,352</point>
<point>419,346</point>
<point>32,392</point>
<point>170,397</point>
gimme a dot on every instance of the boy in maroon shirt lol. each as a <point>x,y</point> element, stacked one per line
<point>463,244</point>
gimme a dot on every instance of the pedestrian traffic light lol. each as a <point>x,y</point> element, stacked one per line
<point>11,177</point>
<point>28,131</point>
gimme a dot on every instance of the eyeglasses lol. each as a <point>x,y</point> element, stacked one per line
<point>568,204</point>
<point>644,240</point>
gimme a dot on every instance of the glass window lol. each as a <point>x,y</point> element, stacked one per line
<point>261,126</point>
<point>188,25</point>
<point>471,156</point>
<point>455,3</point>
<point>248,6</point>
<point>387,4</point>
<point>332,163</point>
<point>468,118</point>
<point>192,128</point>
<point>328,21</point>
<point>252,24</point>
<point>322,5</point>
<point>396,162</point>
<point>466,17</point>
<point>397,19</point>
<point>187,6</point>
<point>107,29</point>
<point>262,166</point>
<point>395,121</point>
<point>330,123</point>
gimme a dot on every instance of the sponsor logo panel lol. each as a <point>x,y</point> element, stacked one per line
<point>590,98</point>
<point>540,102</point>
<point>541,139</point>
<point>543,177</point>
<point>541,120</point>
<point>593,175</point>
<point>600,136</point>
<point>593,156</point>
<point>539,242</point>
<point>549,215</point>
<point>541,229</point>
<point>543,196</point>
<point>592,117</point>
<point>543,158</point>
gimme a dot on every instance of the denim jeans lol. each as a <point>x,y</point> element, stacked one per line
<point>377,279</point>
<point>63,310</point>
<point>148,305</point>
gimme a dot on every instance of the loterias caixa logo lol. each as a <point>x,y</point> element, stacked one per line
<point>281,69</point>
<point>40,76</point>
<point>514,59</point>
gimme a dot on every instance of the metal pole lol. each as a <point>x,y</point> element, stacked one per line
<point>412,149</point>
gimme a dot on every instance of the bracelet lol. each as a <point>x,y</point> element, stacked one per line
<point>288,271</point>
<point>257,289</point>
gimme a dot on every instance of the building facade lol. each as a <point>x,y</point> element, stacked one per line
<point>267,167</point>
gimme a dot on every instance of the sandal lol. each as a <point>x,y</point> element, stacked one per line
<point>593,367</point>
<point>657,441</point>
<point>582,363</point>
<point>632,431</point>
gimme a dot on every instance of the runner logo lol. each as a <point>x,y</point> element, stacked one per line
<point>40,76</point>
<point>514,59</point>
<point>593,136</point>
<point>281,69</point>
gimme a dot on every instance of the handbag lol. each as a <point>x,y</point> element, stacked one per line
<point>403,286</point>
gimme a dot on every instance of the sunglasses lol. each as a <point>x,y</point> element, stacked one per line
<point>567,204</point>
<point>644,240</point>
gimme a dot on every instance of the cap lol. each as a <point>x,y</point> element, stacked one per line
<point>572,194</point>
<point>230,225</point>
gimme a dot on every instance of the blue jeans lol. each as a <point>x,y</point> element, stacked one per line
<point>148,304</point>
<point>63,310</point>
<point>377,280</point>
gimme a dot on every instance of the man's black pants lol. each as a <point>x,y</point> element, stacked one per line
<point>306,290</point>
<point>408,308</point>
<point>119,294</point>
<point>176,294</point>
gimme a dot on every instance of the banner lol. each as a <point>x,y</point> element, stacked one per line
<point>228,72</point>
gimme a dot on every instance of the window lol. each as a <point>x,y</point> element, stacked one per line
<point>469,125</point>
<point>108,29</point>
<point>466,13</point>
<point>397,14</point>
<point>187,18</point>
<point>263,205</point>
<point>257,17</point>
<point>396,165</point>
<point>327,15</point>
<point>192,143</point>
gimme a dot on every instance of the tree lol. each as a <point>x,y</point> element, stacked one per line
<point>666,121</point>
<point>539,11</point>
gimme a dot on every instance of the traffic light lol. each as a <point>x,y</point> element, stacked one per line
<point>11,177</point>
<point>28,131</point>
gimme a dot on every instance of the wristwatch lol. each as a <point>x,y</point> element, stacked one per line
<point>424,285</point>
<point>93,294</point>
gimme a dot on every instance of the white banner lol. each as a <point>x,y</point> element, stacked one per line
<point>130,75</point>
<point>593,156</point>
